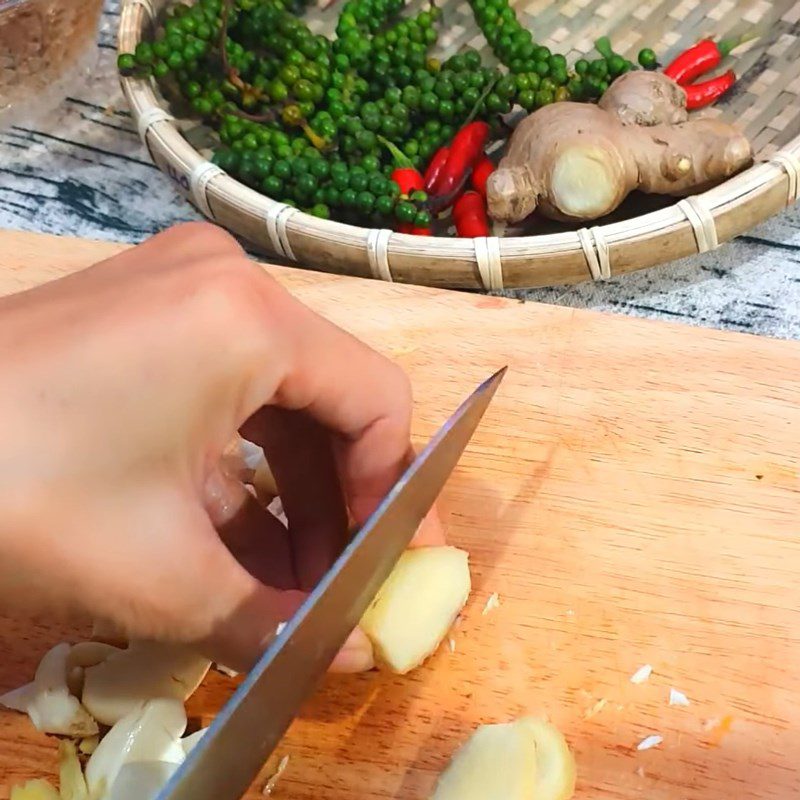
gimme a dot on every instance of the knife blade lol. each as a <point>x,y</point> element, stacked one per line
<point>229,756</point>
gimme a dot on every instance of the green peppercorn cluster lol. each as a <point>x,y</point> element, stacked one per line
<point>311,120</point>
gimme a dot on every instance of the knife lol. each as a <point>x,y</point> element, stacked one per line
<point>228,757</point>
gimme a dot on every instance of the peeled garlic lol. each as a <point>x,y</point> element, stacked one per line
<point>149,733</point>
<point>38,789</point>
<point>146,670</point>
<point>72,784</point>
<point>524,760</point>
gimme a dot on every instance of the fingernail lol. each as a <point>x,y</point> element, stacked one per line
<point>356,655</point>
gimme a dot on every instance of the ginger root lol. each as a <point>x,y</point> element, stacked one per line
<point>577,162</point>
<point>416,606</point>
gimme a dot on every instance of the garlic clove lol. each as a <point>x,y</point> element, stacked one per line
<point>128,678</point>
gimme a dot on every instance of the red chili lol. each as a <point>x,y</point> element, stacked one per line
<point>700,95</point>
<point>480,174</point>
<point>435,167</point>
<point>700,59</point>
<point>469,214</point>
<point>408,179</point>
<point>466,147</point>
<point>408,227</point>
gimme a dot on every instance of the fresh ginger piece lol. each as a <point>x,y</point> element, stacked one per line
<point>416,606</point>
<point>38,789</point>
<point>576,161</point>
<point>523,760</point>
<point>498,762</point>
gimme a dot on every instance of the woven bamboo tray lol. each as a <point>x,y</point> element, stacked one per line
<point>764,104</point>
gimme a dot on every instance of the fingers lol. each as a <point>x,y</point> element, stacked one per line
<point>299,452</point>
<point>430,532</point>
<point>363,399</point>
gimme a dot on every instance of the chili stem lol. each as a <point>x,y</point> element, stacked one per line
<point>397,154</point>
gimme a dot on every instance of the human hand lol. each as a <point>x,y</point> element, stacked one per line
<point>121,388</point>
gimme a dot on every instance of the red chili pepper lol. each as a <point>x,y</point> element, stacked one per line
<point>700,95</point>
<point>435,167</point>
<point>408,179</point>
<point>700,59</point>
<point>469,214</point>
<point>408,227</point>
<point>405,175</point>
<point>480,174</point>
<point>466,147</point>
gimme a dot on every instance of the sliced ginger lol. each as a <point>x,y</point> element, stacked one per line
<point>416,606</point>
<point>523,760</point>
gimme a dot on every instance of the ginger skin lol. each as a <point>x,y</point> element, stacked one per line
<point>578,162</point>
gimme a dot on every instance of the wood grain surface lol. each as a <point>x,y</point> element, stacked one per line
<point>632,496</point>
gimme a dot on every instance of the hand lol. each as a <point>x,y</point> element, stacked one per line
<point>122,386</point>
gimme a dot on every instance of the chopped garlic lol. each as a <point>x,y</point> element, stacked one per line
<point>654,740</point>
<point>642,674</point>
<point>640,771</point>
<point>677,698</point>
<point>492,603</point>
<point>270,785</point>
<point>451,643</point>
<point>231,673</point>
<point>89,744</point>
<point>596,708</point>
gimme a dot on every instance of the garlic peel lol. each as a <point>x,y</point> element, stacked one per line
<point>48,702</point>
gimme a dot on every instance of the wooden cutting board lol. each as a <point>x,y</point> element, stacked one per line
<point>632,497</point>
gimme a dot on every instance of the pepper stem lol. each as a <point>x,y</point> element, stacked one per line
<point>479,102</point>
<point>727,46</point>
<point>400,158</point>
<point>321,144</point>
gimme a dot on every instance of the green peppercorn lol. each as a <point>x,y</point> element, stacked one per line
<point>423,219</point>
<point>647,58</point>
<point>405,211</point>
<point>358,181</point>
<point>444,89</point>
<point>494,103</point>
<point>384,205</point>
<point>367,141</point>
<point>332,196</point>
<point>506,87</point>
<point>143,54</point>
<point>598,68</point>
<point>282,169</point>
<point>616,65</point>
<point>320,210</point>
<point>377,184</point>
<point>429,103</point>
<point>126,63</point>
<point>527,99</point>
<point>575,89</point>
<point>292,115</point>
<point>349,198</point>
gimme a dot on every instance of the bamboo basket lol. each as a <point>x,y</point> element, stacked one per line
<point>764,104</point>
